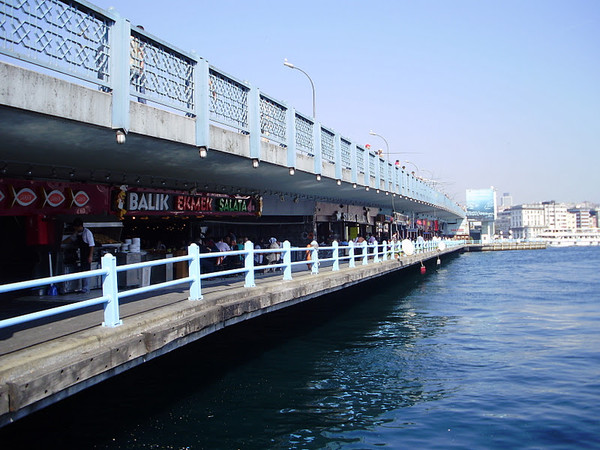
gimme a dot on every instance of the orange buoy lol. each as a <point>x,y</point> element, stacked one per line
<point>423,270</point>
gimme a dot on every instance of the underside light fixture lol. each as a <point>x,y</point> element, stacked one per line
<point>318,177</point>
<point>339,182</point>
<point>121,136</point>
<point>292,171</point>
<point>354,185</point>
<point>377,191</point>
<point>255,163</point>
<point>387,193</point>
<point>367,188</point>
<point>202,152</point>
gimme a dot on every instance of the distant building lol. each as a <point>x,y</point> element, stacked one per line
<point>503,223</point>
<point>527,221</point>
<point>583,218</point>
<point>556,216</point>
<point>506,201</point>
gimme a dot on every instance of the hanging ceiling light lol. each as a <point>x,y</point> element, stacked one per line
<point>121,136</point>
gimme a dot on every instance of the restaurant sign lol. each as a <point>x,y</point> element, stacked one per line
<point>29,197</point>
<point>148,202</point>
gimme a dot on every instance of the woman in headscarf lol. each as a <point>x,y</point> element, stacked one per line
<point>273,257</point>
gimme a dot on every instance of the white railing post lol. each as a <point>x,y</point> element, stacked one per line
<point>314,260</point>
<point>365,250</point>
<point>287,260</point>
<point>376,252</point>
<point>110,289</point>
<point>336,256</point>
<point>385,251</point>
<point>249,264</point>
<point>351,263</point>
<point>194,272</point>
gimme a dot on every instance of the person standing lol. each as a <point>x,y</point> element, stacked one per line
<point>84,240</point>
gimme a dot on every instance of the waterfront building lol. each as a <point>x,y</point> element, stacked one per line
<point>556,216</point>
<point>503,223</point>
<point>527,221</point>
<point>583,218</point>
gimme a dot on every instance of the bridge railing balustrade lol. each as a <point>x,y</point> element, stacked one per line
<point>83,41</point>
<point>351,254</point>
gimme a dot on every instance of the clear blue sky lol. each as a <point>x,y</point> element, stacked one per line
<point>475,93</point>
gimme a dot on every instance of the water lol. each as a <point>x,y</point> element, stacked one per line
<point>492,350</point>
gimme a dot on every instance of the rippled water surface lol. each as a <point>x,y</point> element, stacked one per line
<point>491,350</point>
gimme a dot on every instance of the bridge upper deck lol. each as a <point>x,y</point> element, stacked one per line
<point>178,108</point>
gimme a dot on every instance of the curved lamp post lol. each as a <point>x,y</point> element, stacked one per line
<point>372,133</point>
<point>291,66</point>
<point>410,162</point>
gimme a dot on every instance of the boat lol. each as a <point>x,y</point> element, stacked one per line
<point>570,238</point>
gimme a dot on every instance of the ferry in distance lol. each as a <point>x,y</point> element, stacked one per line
<point>569,238</point>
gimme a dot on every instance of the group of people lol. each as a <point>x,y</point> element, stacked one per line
<point>231,243</point>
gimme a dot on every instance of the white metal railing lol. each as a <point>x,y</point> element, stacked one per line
<point>335,254</point>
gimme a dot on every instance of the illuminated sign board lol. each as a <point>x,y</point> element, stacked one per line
<point>148,202</point>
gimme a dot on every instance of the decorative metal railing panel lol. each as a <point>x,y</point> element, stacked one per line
<point>382,168</point>
<point>160,74</point>
<point>304,135</point>
<point>360,159</point>
<point>346,154</point>
<point>372,164</point>
<point>327,145</point>
<point>228,100</point>
<point>273,124</point>
<point>62,36</point>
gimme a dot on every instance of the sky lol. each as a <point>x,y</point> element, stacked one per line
<point>472,93</point>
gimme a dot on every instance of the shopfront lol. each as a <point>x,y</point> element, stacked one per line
<point>34,217</point>
<point>344,222</point>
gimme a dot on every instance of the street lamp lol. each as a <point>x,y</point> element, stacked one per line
<point>291,66</point>
<point>372,133</point>
<point>410,162</point>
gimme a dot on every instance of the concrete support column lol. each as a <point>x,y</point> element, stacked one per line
<point>120,36</point>
<point>353,163</point>
<point>202,102</point>
<point>317,148</point>
<point>290,119</point>
<point>337,155</point>
<point>254,122</point>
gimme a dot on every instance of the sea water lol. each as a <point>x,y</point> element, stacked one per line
<point>486,350</point>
